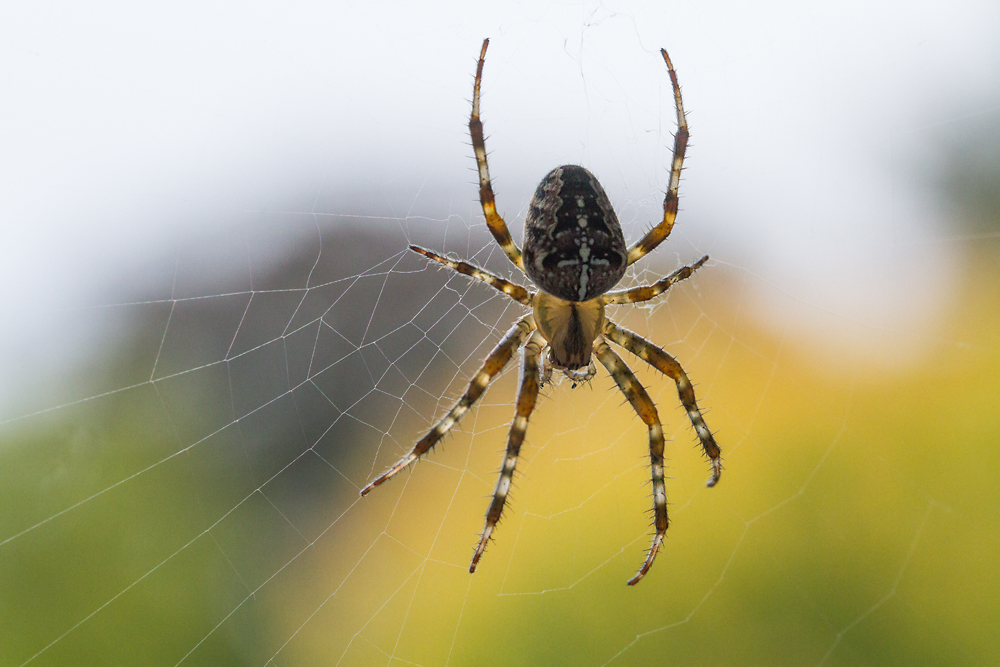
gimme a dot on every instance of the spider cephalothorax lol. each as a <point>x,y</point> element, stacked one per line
<point>574,252</point>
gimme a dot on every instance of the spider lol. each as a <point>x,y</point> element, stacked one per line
<point>574,253</point>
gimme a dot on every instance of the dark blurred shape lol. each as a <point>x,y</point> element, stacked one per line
<point>971,175</point>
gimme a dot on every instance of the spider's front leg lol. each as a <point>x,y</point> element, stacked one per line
<point>526,396</point>
<point>494,363</point>
<point>487,199</point>
<point>643,405</point>
<point>661,231</point>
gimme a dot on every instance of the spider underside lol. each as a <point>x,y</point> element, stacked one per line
<point>575,253</point>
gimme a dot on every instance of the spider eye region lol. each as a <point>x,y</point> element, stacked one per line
<point>573,243</point>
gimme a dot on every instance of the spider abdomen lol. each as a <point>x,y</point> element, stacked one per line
<point>573,243</point>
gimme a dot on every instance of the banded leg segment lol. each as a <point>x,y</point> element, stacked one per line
<point>493,220</point>
<point>515,292</point>
<point>494,363</point>
<point>656,235</point>
<point>647,292</point>
<point>526,396</point>
<point>666,364</point>
<point>643,405</point>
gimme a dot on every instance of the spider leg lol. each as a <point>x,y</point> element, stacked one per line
<point>494,363</point>
<point>666,364</point>
<point>656,235</point>
<point>515,292</point>
<point>493,220</point>
<point>647,292</point>
<point>526,396</point>
<point>643,405</point>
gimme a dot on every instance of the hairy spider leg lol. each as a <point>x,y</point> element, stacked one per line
<point>494,363</point>
<point>647,292</point>
<point>656,235</point>
<point>515,292</point>
<point>656,357</point>
<point>643,405</point>
<point>526,397</point>
<point>493,220</point>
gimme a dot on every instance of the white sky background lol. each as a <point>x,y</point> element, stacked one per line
<point>811,124</point>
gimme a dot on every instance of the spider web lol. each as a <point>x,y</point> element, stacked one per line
<point>198,383</point>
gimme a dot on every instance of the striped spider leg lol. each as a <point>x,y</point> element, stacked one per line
<point>656,357</point>
<point>515,292</point>
<point>494,363</point>
<point>527,394</point>
<point>657,234</point>
<point>495,223</point>
<point>643,405</point>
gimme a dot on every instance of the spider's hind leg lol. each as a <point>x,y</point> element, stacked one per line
<point>643,405</point>
<point>494,363</point>
<point>526,397</point>
<point>666,364</point>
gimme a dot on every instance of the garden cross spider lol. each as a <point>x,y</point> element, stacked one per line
<point>574,252</point>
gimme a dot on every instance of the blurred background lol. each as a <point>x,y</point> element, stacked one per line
<point>213,336</point>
